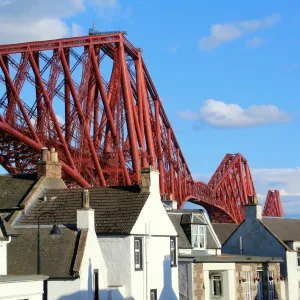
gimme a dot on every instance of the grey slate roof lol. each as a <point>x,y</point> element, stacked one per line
<point>283,228</point>
<point>14,189</point>
<point>227,258</point>
<point>224,230</point>
<point>56,255</point>
<point>183,242</point>
<point>116,209</point>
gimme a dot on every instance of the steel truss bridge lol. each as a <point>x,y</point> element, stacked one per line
<point>92,98</point>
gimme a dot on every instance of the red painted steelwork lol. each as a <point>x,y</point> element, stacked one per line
<point>273,206</point>
<point>92,98</point>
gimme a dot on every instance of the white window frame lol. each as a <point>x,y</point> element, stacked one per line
<point>212,279</point>
<point>298,256</point>
<point>271,286</point>
<point>173,252</point>
<point>153,294</point>
<point>198,235</point>
<point>138,251</point>
<point>247,285</point>
<point>260,294</point>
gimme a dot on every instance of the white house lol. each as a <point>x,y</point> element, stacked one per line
<point>268,236</point>
<point>72,260</point>
<point>205,273</point>
<point>16,287</point>
<point>135,237</point>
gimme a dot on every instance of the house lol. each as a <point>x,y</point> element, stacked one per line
<point>16,287</point>
<point>268,236</point>
<point>206,273</point>
<point>135,237</point>
<point>72,260</point>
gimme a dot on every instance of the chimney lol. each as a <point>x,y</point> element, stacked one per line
<point>253,210</point>
<point>49,165</point>
<point>149,180</point>
<point>85,215</point>
<point>171,203</point>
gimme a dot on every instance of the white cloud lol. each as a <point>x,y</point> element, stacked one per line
<point>77,30</point>
<point>219,114</point>
<point>22,20</point>
<point>220,33</point>
<point>255,42</point>
<point>286,180</point>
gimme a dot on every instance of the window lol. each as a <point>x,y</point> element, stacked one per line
<point>198,236</point>
<point>216,285</point>
<point>153,294</point>
<point>260,295</point>
<point>138,254</point>
<point>96,285</point>
<point>247,285</point>
<point>298,256</point>
<point>271,285</point>
<point>173,251</point>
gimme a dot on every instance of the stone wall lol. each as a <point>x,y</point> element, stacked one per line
<point>198,281</point>
<point>254,268</point>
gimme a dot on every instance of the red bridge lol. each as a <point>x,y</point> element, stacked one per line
<point>92,98</point>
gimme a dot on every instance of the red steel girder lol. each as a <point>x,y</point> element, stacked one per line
<point>92,98</point>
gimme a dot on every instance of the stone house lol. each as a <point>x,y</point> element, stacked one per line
<point>258,235</point>
<point>206,273</point>
<point>135,237</point>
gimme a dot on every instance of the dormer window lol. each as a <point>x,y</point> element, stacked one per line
<point>198,236</point>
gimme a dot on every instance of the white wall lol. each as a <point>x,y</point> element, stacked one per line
<point>158,273</point>
<point>116,251</point>
<point>83,287</point>
<point>154,213</point>
<point>154,219</point>
<point>63,289</point>
<point>292,284</point>
<point>227,270</point>
<point>3,257</point>
<point>16,290</point>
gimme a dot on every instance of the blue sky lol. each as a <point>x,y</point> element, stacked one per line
<point>227,73</point>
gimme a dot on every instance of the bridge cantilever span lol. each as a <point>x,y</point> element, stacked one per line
<point>92,98</point>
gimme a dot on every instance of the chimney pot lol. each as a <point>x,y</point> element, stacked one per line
<point>44,154</point>
<point>85,199</point>
<point>52,154</point>
<point>49,165</point>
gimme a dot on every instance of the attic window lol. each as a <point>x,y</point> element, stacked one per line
<point>198,236</point>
